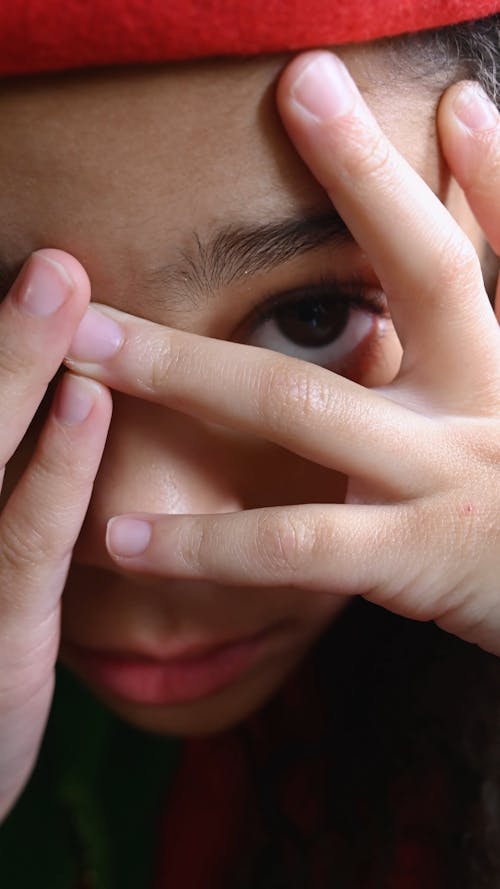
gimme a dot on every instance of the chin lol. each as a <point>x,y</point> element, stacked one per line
<point>209,715</point>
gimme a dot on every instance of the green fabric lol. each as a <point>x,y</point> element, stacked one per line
<point>88,815</point>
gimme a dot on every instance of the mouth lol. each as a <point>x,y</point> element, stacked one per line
<point>188,674</point>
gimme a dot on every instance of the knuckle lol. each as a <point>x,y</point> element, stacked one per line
<point>367,158</point>
<point>31,535</point>
<point>20,550</point>
<point>161,360</point>
<point>282,542</point>
<point>12,361</point>
<point>456,264</point>
<point>297,393</point>
<point>61,469</point>
<point>195,545</point>
<point>27,542</point>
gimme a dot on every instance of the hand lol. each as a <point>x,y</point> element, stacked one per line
<point>41,519</point>
<point>419,533</point>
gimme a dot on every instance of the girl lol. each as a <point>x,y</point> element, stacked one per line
<point>304,364</point>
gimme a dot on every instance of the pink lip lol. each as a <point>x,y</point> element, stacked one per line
<point>193,673</point>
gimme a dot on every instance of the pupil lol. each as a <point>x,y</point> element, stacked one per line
<point>312,323</point>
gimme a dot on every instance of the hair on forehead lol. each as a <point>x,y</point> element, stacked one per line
<point>467,50</point>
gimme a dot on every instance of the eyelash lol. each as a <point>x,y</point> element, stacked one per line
<point>355,294</point>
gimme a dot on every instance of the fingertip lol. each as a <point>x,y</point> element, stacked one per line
<point>314,87</point>
<point>103,397</point>
<point>78,396</point>
<point>473,108</point>
<point>128,536</point>
<point>75,399</point>
<point>469,133</point>
<point>467,111</point>
<point>294,69</point>
<point>71,268</point>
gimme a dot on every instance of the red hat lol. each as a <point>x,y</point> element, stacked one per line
<point>49,35</point>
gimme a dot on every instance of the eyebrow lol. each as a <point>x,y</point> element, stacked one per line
<point>234,253</point>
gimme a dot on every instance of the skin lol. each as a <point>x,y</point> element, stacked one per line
<point>238,440</point>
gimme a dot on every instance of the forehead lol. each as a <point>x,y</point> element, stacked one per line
<point>140,160</point>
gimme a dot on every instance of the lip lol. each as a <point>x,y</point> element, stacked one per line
<point>189,673</point>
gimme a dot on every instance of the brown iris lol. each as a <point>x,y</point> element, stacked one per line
<point>312,323</point>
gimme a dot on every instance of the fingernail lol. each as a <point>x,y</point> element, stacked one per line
<point>127,536</point>
<point>474,109</point>
<point>74,400</point>
<point>325,88</point>
<point>97,338</point>
<point>43,287</point>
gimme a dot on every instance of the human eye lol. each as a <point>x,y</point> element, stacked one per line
<point>336,325</point>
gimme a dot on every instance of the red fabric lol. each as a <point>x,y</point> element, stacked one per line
<point>213,820</point>
<point>203,823</point>
<point>211,825</point>
<point>39,35</point>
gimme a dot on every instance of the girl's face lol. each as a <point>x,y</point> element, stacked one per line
<point>179,192</point>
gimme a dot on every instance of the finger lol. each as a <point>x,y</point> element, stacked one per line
<point>333,550</point>
<point>469,129</point>
<point>38,529</point>
<point>392,555</point>
<point>37,320</point>
<point>426,265</point>
<point>43,516</point>
<point>299,406</point>
<point>306,546</point>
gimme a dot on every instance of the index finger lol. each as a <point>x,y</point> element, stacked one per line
<point>469,129</point>
<point>426,265</point>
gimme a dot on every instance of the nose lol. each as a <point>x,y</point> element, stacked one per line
<point>160,461</point>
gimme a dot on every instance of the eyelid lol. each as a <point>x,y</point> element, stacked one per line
<point>356,292</point>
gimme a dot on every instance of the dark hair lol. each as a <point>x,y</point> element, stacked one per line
<point>476,45</point>
<point>409,712</point>
<point>442,56</point>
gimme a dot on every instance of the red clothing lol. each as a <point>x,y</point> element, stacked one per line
<point>212,821</point>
